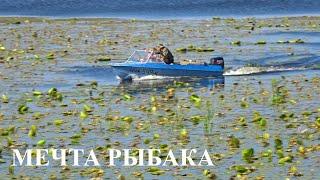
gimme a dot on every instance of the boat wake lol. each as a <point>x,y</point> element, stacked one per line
<point>260,70</point>
<point>151,77</point>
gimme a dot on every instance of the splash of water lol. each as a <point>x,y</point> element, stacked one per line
<point>260,70</point>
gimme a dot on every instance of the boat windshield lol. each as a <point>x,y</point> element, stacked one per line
<point>144,56</point>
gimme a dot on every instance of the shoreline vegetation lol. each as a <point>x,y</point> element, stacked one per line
<point>55,94</point>
<point>115,39</point>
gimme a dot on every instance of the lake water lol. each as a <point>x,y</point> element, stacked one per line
<point>158,9</point>
<point>210,110</point>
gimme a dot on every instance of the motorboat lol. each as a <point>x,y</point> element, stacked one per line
<point>145,63</point>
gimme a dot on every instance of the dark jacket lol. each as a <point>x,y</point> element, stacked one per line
<point>166,55</point>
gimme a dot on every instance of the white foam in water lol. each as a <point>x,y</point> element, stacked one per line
<point>257,70</point>
<point>150,77</point>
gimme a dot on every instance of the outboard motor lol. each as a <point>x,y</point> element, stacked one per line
<point>217,61</point>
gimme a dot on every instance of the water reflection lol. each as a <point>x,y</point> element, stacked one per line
<point>209,83</point>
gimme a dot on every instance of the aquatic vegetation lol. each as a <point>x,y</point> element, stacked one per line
<point>184,134</point>
<point>183,50</point>
<point>284,160</point>
<point>282,42</point>
<point>5,99</point>
<point>192,48</point>
<point>83,114</point>
<point>280,93</point>
<point>209,174</point>
<point>37,93</point>
<point>54,94</point>
<point>236,43</point>
<point>244,103</point>
<point>103,58</point>
<point>262,42</point>
<point>317,122</point>
<point>32,131</point>
<point>156,171</point>
<point>195,98</point>
<point>50,56</point>
<point>233,142</point>
<point>41,142</point>
<point>58,122</point>
<point>128,119</point>
<point>252,126</point>
<point>201,49</point>
<point>22,109</point>
<point>296,41</point>
<point>92,172</point>
<point>247,154</point>
<point>87,108</point>
<point>127,97</point>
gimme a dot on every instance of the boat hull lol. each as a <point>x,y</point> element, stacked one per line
<point>129,70</point>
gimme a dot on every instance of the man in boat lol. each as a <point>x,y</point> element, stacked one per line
<point>165,54</point>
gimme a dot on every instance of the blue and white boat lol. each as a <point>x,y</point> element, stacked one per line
<point>143,63</point>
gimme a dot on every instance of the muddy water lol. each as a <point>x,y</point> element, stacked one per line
<point>224,107</point>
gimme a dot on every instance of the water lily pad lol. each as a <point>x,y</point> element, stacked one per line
<point>236,43</point>
<point>247,154</point>
<point>58,122</point>
<point>22,109</point>
<point>181,50</point>
<point>33,131</point>
<point>42,142</point>
<point>5,99</point>
<point>262,42</point>
<point>104,58</point>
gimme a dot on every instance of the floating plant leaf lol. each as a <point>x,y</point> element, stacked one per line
<point>104,58</point>
<point>196,119</point>
<point>22,109</point>
<point>87,108</point>
<point>128,119</point>
<point>50,56</point>
<point>37,93</point>
<point>83,114</point>
<point>127,97</point>
<point>236,43</point>
<point>75,138</point>
<point>261,42</point>
<point>285,159</point>
<point>41,142</point>
<point>208,174</point>
<point>155,171</point>
<point>11,169</point>
<point>181,50</point>
<point>262,122</point>
<point>241,169</point>
<point>5,99</point>
<point>156,136</point>
<point>297,41</point>
<point>58,122</point>
<point>52,92</point>
<point>9,141</point>
<point>278,143</point>
<point>234,142</point>
<point>32,131</point>
<point>267,153</point>
<point>244,104</point>
<point>247,154</point>
<point>195,98</point>
<point>184,134</point>
<point>317,122</point>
